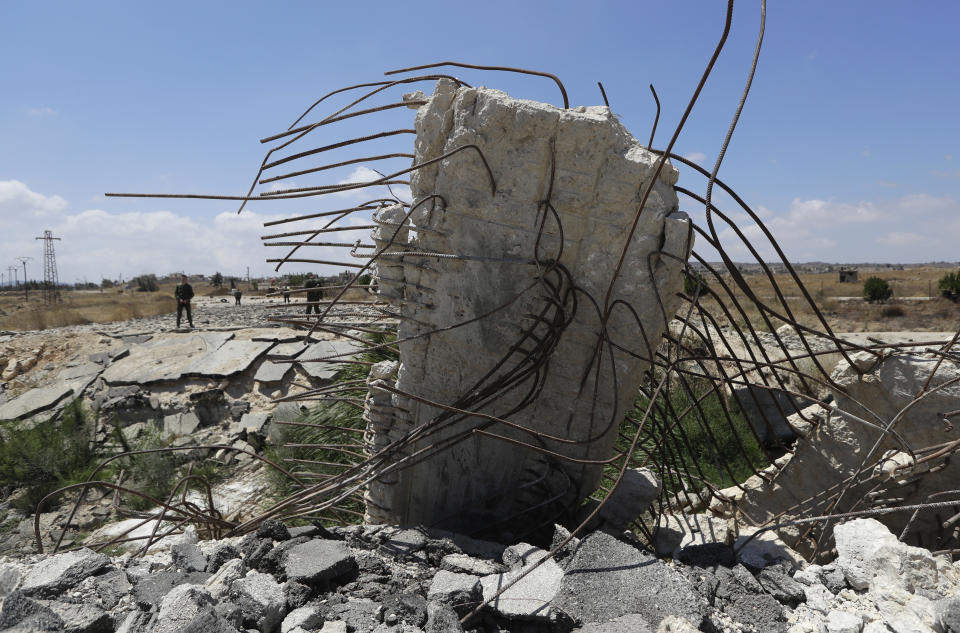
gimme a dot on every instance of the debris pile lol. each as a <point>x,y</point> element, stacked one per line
<point>382,579</point>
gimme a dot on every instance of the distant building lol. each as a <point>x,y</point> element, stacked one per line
<point>848,276</point>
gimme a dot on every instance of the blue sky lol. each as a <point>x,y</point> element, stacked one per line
<point>848,146</point>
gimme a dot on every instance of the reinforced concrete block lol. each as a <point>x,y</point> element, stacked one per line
<point>516,305</point>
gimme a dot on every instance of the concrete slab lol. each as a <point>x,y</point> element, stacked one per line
<point>274,372</point>
<point>80,371</point>
<point>36,401</point>
<point>164,358</point>
<point>231,358</point>
<point>309,359</point>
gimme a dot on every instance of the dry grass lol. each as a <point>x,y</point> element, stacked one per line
<point>80,307</point>
<point>842,306</point>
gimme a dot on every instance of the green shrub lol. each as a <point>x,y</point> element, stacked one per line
<point>694,284</point>
<point>147,283</point>
<point>949,286</point>
<point>48,456</point>
<point>876,289</point>
<point>155,474</point>
<point>326,439</point>
<point>700,433</point>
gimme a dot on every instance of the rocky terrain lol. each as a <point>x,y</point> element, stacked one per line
<point>364,579</point>
<point>219,384</point>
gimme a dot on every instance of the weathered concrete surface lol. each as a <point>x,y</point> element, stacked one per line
<point>607,578</point>
<point>871,395</point>
<point>600,172</point>
<point>230,358</point>
<point>270,371</point>
<point>530,595</point>
<point>322,370</point>
<point>165,357</point>
<point>35,401</point>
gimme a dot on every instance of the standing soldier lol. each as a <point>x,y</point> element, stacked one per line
<point>183,294</point>
<point>313,296</point>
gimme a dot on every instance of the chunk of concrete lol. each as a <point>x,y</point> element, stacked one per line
<point>461,592</point>
<point>54,575</point>
<point>188,557</point>
<point>536,581</point>
<point>219,583</point>
<point>261,599</point>
<point>81,618</point>
<point>463,564</point>
<point>150,590</point>
<point>189,608</point>
<point>633,495</point>
<point>318,560</point>
<point>868,555</point>
<point>607,578</point>
<point>21,614</point>
<point>304,617</point>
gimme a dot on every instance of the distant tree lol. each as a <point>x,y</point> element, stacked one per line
<point>949,286</point>
<point>233,283</point>
<point>146,283</point>
<point>217,280</point>
<point>694,284</point>
<point>876,289</point>
<point>107,283</point>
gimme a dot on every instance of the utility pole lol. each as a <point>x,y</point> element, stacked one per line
<point>12,271</point>
<point>51,293</point>
<point>26,288</point>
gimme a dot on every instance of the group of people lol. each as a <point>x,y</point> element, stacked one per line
<point>184,294</point>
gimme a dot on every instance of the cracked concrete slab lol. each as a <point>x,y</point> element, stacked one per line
<point>36,401</point>
<point>231,358</point>
<point>270,371</point>
<point>164,357</point>
<point>309,359</point>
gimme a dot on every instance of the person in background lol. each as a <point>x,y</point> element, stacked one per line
<point>286,293</point>
<point>237,293</point>
<point>313,296</point>
<point>183,294</point>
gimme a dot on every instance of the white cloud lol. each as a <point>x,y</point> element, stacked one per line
<point>695,156</point>
<point>44,111</point>
<point>913,228</point>
<point>16,198</point>
<point>101,242</point>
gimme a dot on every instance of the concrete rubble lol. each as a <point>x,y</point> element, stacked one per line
<point>171,388</point>
<point>297,580</point>
<point>835,443</point>
<point>599,172</point>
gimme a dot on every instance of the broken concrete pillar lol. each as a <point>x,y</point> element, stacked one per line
<point>504,318</point>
